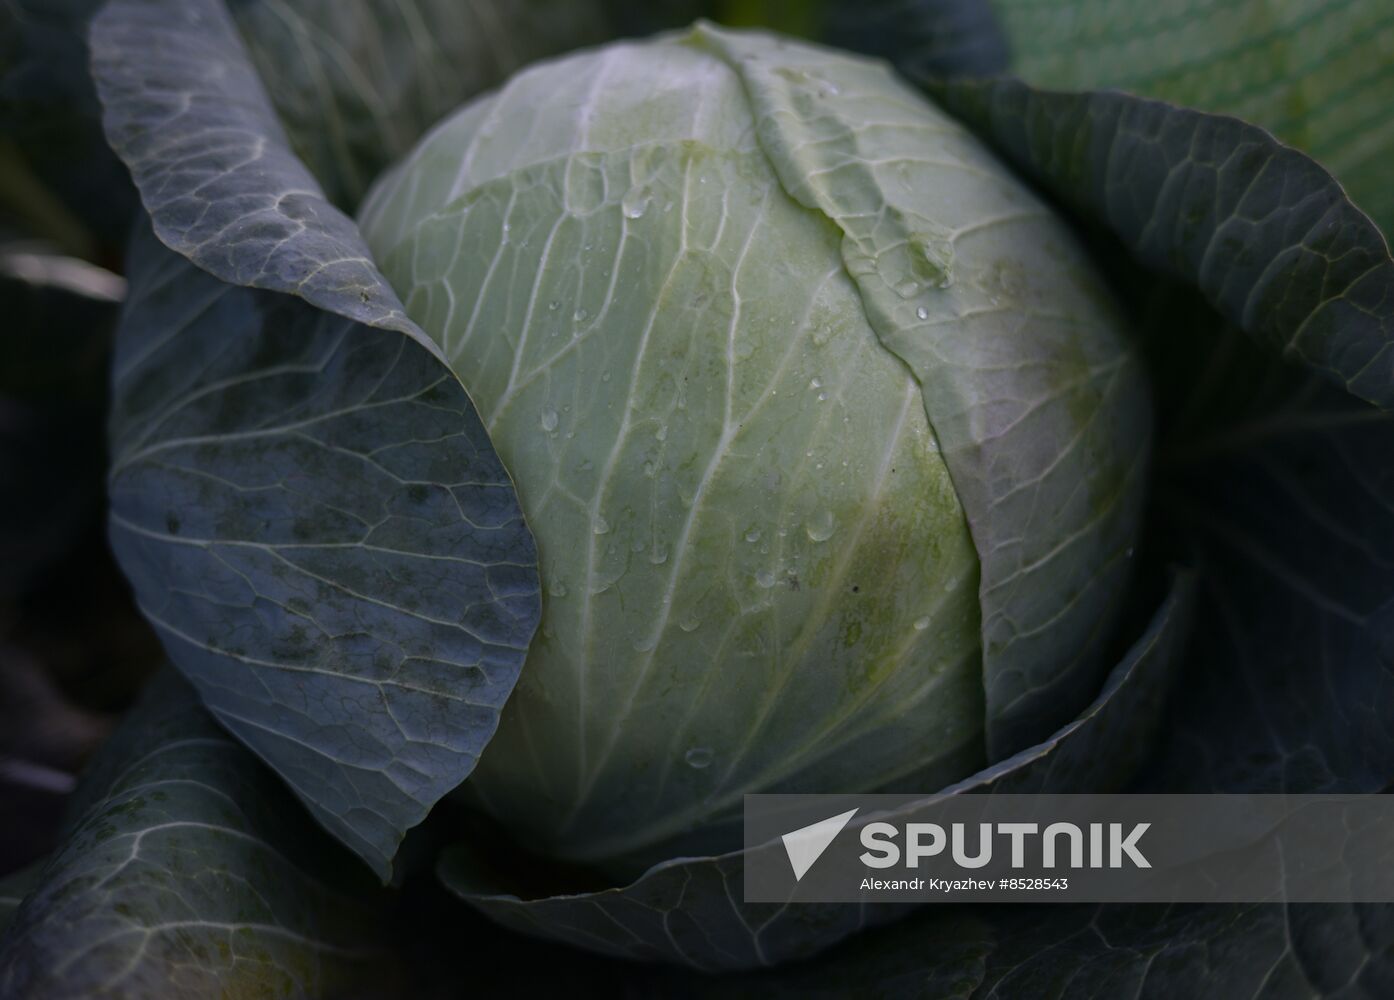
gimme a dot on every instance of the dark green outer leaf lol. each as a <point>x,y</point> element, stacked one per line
<point>1141,952</point>
<point>1286,486</point>
<point>187,113</point>
<point>312,517</point>
<point>1265,233</point>
<point>689,910</point>
<point>189,873</point>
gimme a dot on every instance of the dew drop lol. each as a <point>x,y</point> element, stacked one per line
<point>580,315</point>
<point>689,624</point>
<point>753,535</point>
<point>698,758</point>
<point>553,306</point>
<point>821,526</point>
<point>605,377</point>
<point>635,202</point>
<point>658,555</point>
<point>922,623</point>
<point>600,526</point>
<point>650,469</point>
<point>822,397</point>
<point>815,383</point>
<point>907,289</point>
<point>765,579</point>
<point>662,433</point>
<point>922,313</point>
<point>549,420</point>
<point>645,644</point>
<point>558,588</point>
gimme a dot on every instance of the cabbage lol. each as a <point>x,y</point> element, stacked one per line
<point>714,294</point>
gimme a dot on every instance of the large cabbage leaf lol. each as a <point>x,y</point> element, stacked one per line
<point>313,520</point>
<point>189,871</point>
<point>214,167</point>
<point>355,600</point>
<point>1263,232</point>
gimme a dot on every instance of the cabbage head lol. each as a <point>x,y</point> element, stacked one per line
<point>829,435</point>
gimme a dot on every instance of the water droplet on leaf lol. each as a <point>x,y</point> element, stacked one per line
<point>635,202</point>
<point>821,526</point>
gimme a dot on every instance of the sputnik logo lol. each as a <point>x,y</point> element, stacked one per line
<point>807,844</point>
